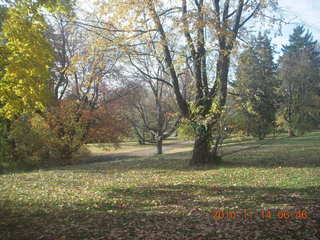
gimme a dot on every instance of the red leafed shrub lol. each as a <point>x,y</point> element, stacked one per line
<point>61,131</point>
<point>69,127</point>
<point>73,125</point>
<point>107,125</point>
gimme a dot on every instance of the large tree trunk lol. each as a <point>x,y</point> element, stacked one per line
<point>202,150</point>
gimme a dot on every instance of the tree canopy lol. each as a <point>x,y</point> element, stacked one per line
<point>299,75</point>
<point>24,85</point>
<point>256,86</point>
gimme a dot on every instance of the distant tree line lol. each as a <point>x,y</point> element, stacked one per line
<point>270,96</point>
<point>67,79</point>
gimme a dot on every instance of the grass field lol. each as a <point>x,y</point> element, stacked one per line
<point>161,197</point>
<point>97,149</point>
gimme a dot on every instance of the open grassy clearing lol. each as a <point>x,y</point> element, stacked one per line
<point>123,147</point>
<point>161,197</point>
<point>128,146</point>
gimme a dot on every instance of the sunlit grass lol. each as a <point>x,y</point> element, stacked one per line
<point>127,146</point>
<point>162,195</point>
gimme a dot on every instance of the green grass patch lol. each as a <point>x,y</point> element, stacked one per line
<point>161,197</point>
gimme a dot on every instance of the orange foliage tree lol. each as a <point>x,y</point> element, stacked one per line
<point>73,125</point>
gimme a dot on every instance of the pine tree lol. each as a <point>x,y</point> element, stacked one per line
<point>299,75</point>
<point>256,86</point>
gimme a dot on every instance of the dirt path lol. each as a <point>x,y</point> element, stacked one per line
<point>167,148</point>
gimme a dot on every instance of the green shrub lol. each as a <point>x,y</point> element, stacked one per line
<point>38,143</point>
<point>186,131</point>
<point>5,147</point>
<point>30,137</point>
<point>60,133</point>
<point>303,123</point>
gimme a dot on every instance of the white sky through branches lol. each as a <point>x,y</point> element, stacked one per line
<point>306,12</point>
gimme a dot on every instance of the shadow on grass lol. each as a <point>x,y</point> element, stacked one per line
<point>268,153</point>
<point>298,152</point>
<point>242,158</point>
<point>191,195</point>
<point>164,212</point>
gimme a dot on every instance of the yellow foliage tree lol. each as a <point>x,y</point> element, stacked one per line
<point>24,86</point>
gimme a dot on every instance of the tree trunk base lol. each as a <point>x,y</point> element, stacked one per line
<point>202,155</point>
<point>159,147</point>
<point>291,133</point>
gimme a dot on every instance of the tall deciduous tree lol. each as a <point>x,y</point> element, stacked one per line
<point>189,30</point>
<point>256,86</point>
<point>4,124</point>
<point>3,49</point>
<point>299,68</point>
<point>152,114</point>
<point>24,85</point>
<point>156,106</point>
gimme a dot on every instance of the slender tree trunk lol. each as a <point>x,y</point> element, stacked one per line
<point>153,138</point>
<point>290,132</point>
<point>218,141</point>
<point>141,141</point>
<point>159,146</point>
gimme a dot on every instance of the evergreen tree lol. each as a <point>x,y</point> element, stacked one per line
<point>299,76</point>
<point>256,86</point>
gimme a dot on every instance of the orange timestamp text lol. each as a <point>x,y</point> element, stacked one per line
<point>281,214</point>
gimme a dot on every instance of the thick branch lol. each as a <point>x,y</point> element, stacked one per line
<point>195,55</point>
<point>148,75</point>
<point>236,25</point>
<point>183,105</point>
<point>250,16</point>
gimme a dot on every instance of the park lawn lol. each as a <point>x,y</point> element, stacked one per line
<point>127,146</point>
<point>99,148</point>
<point>161,197</point>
